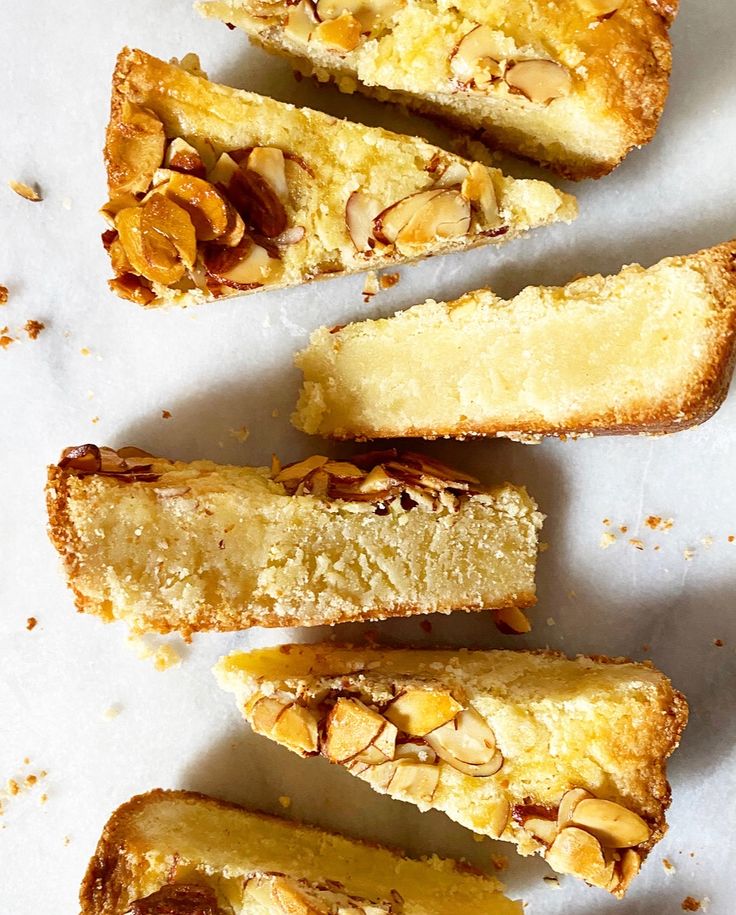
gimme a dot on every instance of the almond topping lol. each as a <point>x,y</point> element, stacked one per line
<point>150,253</point>
<point>478,188</point>
<point>257,201</point>
<point>382,749</point>
<point>341,34</point>
<point>264,714</point>
<point>446,215</point>
<point>207,208</point>
<point>301,469</point>
<point>296,727</point>
<point>499,818</point>
<point>570,800</point>
<point>415,750</point>
<point>627,869</point>
<point>159,214</point>
<point>223,171</point>
<point>416,712</point>
<point>575,851</point>
<point>540,81</point>
<point>245,266</point>
<point>544,830</point>
<point>418,780</point>
<point>183,157</point>
<point>389,222</point>
<point>131,287</point>
<point>351,727</point>
<point>371,15</point>
<point>177,899</point>
<point>477,60</point>
<point>454,175</point>
<point>135,149</point>
<point>612,825</point>
<point>360,213</point>
<point>302,21</point>
<point>468,744</point>
<point>268,162</point>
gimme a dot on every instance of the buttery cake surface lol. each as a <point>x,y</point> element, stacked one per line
<point>169,852</point>
<point>564,757</point>
<point>647,350</point>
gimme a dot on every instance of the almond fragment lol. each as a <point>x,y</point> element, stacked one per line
<point>540,81</point>
<point>245,266</point>
<point>612,825</point>
<point>151,254</point>
<point>264,714</point>
<point>382,749</point>
<point>134,150</point>
<point>477,60</point>
<point>351,727</point>
<point>415,750</point>
<point>257,201</point>
<point>207,208</point>
<point>301,21</point>
<point>183,157</point>
<point>446,215</point>
<point>468,744</point>
<point>223,170</point>
<point>296,727</point>
<point>544,830</point>
<point>341,34</point>
<point>453,176</point>
<point>416,712</point>
<point>479,189</point>
<point>343,470</point>
<point>25,191</point>
<point>301,469</point>
<point>268,162</point>
<point>511,621</point>
<point>499,818</point>
<point>371,15</point>
<point>417,780</point>
<point>129,286</point>
<point>159,214</point>
<point>570,800</point>
<point>360,213</point>
<point>628,867</point>
<point>575,851</point>
<point>389,222</point>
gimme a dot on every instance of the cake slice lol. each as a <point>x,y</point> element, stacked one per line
<point>180,853</point>
<point>170,546</point>
<point>216,192</point>
<point>565,758</point>
<point>645,351</point>
<point>573,84</point>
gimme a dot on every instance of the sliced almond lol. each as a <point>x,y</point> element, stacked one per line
<point>446,215</point>
<point>223,170</point>
<point>135,149</point>
<point>477,59</point>
<point>613,825</point>
<point>264,713</point>
<point>351,727</point>
<point>257,201</point>
<point>570,800</point>
<point>344,470</point>
<point>627,868</point>
<point>268,162</point>
<point>162,215</point>
<point>468,744</point>
<point>342,34</point>
<point>511,621</point>
<point>575,851</point>
<point>296,727</point>
<point>371,15</point>
<point>453,176</point>
<point>360,213</point>
<point>151,254</point>
<point>377,480</point>
<point>479,189</point>
<point>301,469</point>
<point>417,780</point>
<point>540,81</point>
<point>183,157</point>
<point>382,749</point>
<point>498,818</point>
<point>245,266</point>
<point>415,750</point>
<point>389,222</point>
<point>416,712</point>
<point>301,21</point>
<point>235,230</point>
<point>544,830</point>
<point>25,191</point>
<point>206,206</point>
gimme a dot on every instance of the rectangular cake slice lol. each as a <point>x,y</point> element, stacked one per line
<point>648,350</point>
<point>216,192</point>
<point>170,546</point>
<point>573,84</point>
<point>180,853</point>
<point>564,757</point>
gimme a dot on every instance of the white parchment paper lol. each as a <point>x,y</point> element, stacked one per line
<point>104,370</point>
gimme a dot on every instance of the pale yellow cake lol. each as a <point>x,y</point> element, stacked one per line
<point>180,853</point>
<point>166,545</point>
<point>574,84</point>
<point>563,757</point>
<point>216,192</point>
<point>648,350</point>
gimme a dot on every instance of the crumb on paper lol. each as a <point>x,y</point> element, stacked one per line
<point>477,837</point>
<point>499,862</point>
<point>426,625</point>
<point>669,867</point>
<point>657,523</point>
<point>552,882</point>
<point>85,351</point>
<point>387,280</point>
<point>572,594</point>
<point>689,904</point>
<point>551,621</point>
<point>607,539</point>
<point>719,643</point>
<point>112,711</point>
<point>33,328</point>
<point>242,434</point>
<point>95,420</point>
<point>31,623</point>
<point>543,547</point>
<point>4,295</point>
<point>165,414</point>
<point>66,840</point>
<point>285,801</point>
<point>67,203</point>
<point>164,656</point>
<point>606,521</point>
<point>44,797</point>
<point>25,190</point>
<point>688,554</point>
<point>275,413</point>
<point>624,528</point>
<point>646,647</point>
<point>5,340</point>
<point>707,541</point>
<point>636,543</point>
<point>370,286</point>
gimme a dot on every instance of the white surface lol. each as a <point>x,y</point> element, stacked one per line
<point>229,365</point>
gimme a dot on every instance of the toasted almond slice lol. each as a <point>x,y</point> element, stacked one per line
<point>151,254</point>
<point>119,259</point>
<point>235,230</point>
<point>446,215</point>
<point>223,170</point>
<point>135,149</point>
<point>245,266</point>
<point>131,287</point>
<point>453,176</point>
<point>162,215</point>
<point>382,749</point>
<point>341,34</point>
<point>468,744</point>
<point>256,200</point>
<point>264,713</point>
<point>344,470</point>
<point>477,58</point>
<point>544,830</point>
<point>415,750</point>
<point>351,727</point>
<point>416,712</point>
<point>25,191</point>
<point>613,825</point>
<point>377,480</point>
<point>570,800</point>
<point>499,818</point>
<point>417,780</point>
<point>296,727</point>
<point>268,162</point>
<point>301,469</point>
<point>575,851</point>
<point>301,21</point>
<point>389,222</point>
<point>511,621</point>
<point>626,870</point>
<point>379,776</point>
<point>479,189</point>
<point>540,81</point>
<point>206,206</point>
<point>370,14</point>
<point>183,157</point>
<point>360,213</point>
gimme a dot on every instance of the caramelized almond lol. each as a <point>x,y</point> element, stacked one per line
<point>341,34</point>
<point>183,157</point>
<point>360,213</point>
<point>205,205</point>
<point>134,150</point>
<point>351,727</point>
<point>257,202</point>
<point>477,58</point>
<point>268,162</point>
<point>446,215</point>
<point>301,21</point>
<point>479,189</point>
<point>416,712</point>
<point>159,214</point>
<point>575,851</point>
<point>540,81</point>
<point>244,266</point>
<point>150,254</point>
<point>612,824</point>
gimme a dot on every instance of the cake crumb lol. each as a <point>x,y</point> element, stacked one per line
<point>112,711</point>
<point>12,787</point>
<point>95,420</point>
<point>607,539</point>
<point>275,413</point>
<point>242,434</point>
<point>31,623</point>
<point>668,866</point>
<point>636,543</point>
<point>370,286</point>
<point>500,862</point>
<point>707,541</point>
<point>646,647</point>
<point>164,656</point>
<point>165,414</point>
<point>285,801</point>
<point>4,295</point>
<point>688,554</point>
<point>33,328</point>
<point>85,351</point>
<point>689,904</point>
<point>552,882</point>
<point>551,621</point>
<point>543,547</point>
<point>477,837</point>
<point>718,643</point>
<point>657,523</point>
<point>606,521</point>
<point>387,280</point>
<point>44,797</point>
<point>5,340</point>
<point>66,840</point>
<point>25,190</point>
<point>425,625</point>
<point>624,528</point>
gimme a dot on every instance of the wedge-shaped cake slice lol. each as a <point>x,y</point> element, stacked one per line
<point>648,350</point>
<point>180,853</point>
<point>574,84</point>
<point>565,758</point>
<point>216,192</point>
<point>169,546</point>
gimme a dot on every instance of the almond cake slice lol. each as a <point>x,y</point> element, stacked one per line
<point>215,192</point>
<point>645,351</point>
<point>171,546</point>
<point>181,853</point>
<point>573,84</point>
<point>563,757</point>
